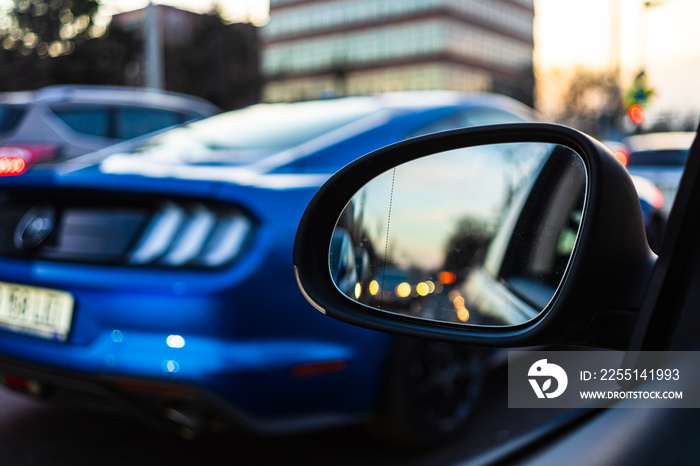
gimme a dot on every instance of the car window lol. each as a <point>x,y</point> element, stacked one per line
<point>10,116</point>
<point>665,158</point>
<point>132,122</point>
<point>91,121</point>
<point>251,134</point>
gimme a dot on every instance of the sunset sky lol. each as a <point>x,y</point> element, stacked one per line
<point>571,33</point>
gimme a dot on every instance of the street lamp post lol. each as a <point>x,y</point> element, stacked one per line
<point>644,49</point>
<point>153,39</point>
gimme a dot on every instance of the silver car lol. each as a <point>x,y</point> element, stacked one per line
<point>61,122</point>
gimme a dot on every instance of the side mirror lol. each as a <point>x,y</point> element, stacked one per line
<point>508,235</point>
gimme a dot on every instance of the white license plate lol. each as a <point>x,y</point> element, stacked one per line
<point>36,311</point>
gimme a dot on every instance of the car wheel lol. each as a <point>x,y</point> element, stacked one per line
<point>429,392</point>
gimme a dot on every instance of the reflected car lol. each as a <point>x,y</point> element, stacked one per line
<point>342,264</point>
<point>155,277</point>
<point>660,158</point>
<point>394,288</point>
<point>64,121</point>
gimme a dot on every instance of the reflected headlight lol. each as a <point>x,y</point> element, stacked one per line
<point>194,235</point>
<point>403,290</point>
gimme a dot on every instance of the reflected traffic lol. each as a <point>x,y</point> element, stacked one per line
<point>479,235</point>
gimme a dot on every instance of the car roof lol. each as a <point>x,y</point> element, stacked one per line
<point>111,95</point>
<point>408,102</point>
<point>412,100</point>
<point>660,141</point>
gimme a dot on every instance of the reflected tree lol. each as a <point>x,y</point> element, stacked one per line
<point>467,246</point>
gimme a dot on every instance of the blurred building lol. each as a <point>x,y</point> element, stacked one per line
<point>318,48</point>
<point>202,55</point>
<point>178,26</point>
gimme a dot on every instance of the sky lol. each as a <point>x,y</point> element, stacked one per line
<point>663,39</point>
<point>254,11</point>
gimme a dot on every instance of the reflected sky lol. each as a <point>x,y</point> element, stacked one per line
<point>479,235</point>
<point>421,203</point>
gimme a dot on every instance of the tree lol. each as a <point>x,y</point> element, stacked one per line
<point>218,61</point>
<point>591,102</point>
<point>587,99</point>
<point>50,28</point>
<point>44,42</point>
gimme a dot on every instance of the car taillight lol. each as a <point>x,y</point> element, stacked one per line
<point>657,198</point>
<point>316,369</point>
<point>12,165</point>
<point>198,235</point>
<point>622,156</point>
<point>33,153</point>
<point>21,384</point>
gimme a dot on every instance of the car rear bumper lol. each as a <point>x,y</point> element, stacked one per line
<point>167,406</point>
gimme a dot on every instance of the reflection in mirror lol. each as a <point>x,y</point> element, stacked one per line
<point>480,235</point>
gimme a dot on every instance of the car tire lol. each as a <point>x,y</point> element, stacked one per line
<point>429,392</point>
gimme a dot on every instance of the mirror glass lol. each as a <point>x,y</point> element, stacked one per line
<point>480,235</point>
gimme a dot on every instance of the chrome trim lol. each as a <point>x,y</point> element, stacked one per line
<point>303,292</point>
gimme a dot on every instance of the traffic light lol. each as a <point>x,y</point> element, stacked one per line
<point>636,96</point>
<point>636,114</point>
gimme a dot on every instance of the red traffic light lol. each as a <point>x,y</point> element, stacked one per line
<point>636,114</point>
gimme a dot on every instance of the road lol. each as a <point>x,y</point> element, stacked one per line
<point>32,433</point>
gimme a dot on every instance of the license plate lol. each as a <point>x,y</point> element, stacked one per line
<point>36,311</point>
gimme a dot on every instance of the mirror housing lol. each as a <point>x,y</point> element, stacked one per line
<point>601,292</point>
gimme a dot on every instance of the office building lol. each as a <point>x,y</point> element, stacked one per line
<point>319,48</point>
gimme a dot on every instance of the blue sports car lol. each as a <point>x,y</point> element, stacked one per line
<point>155,277</point>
